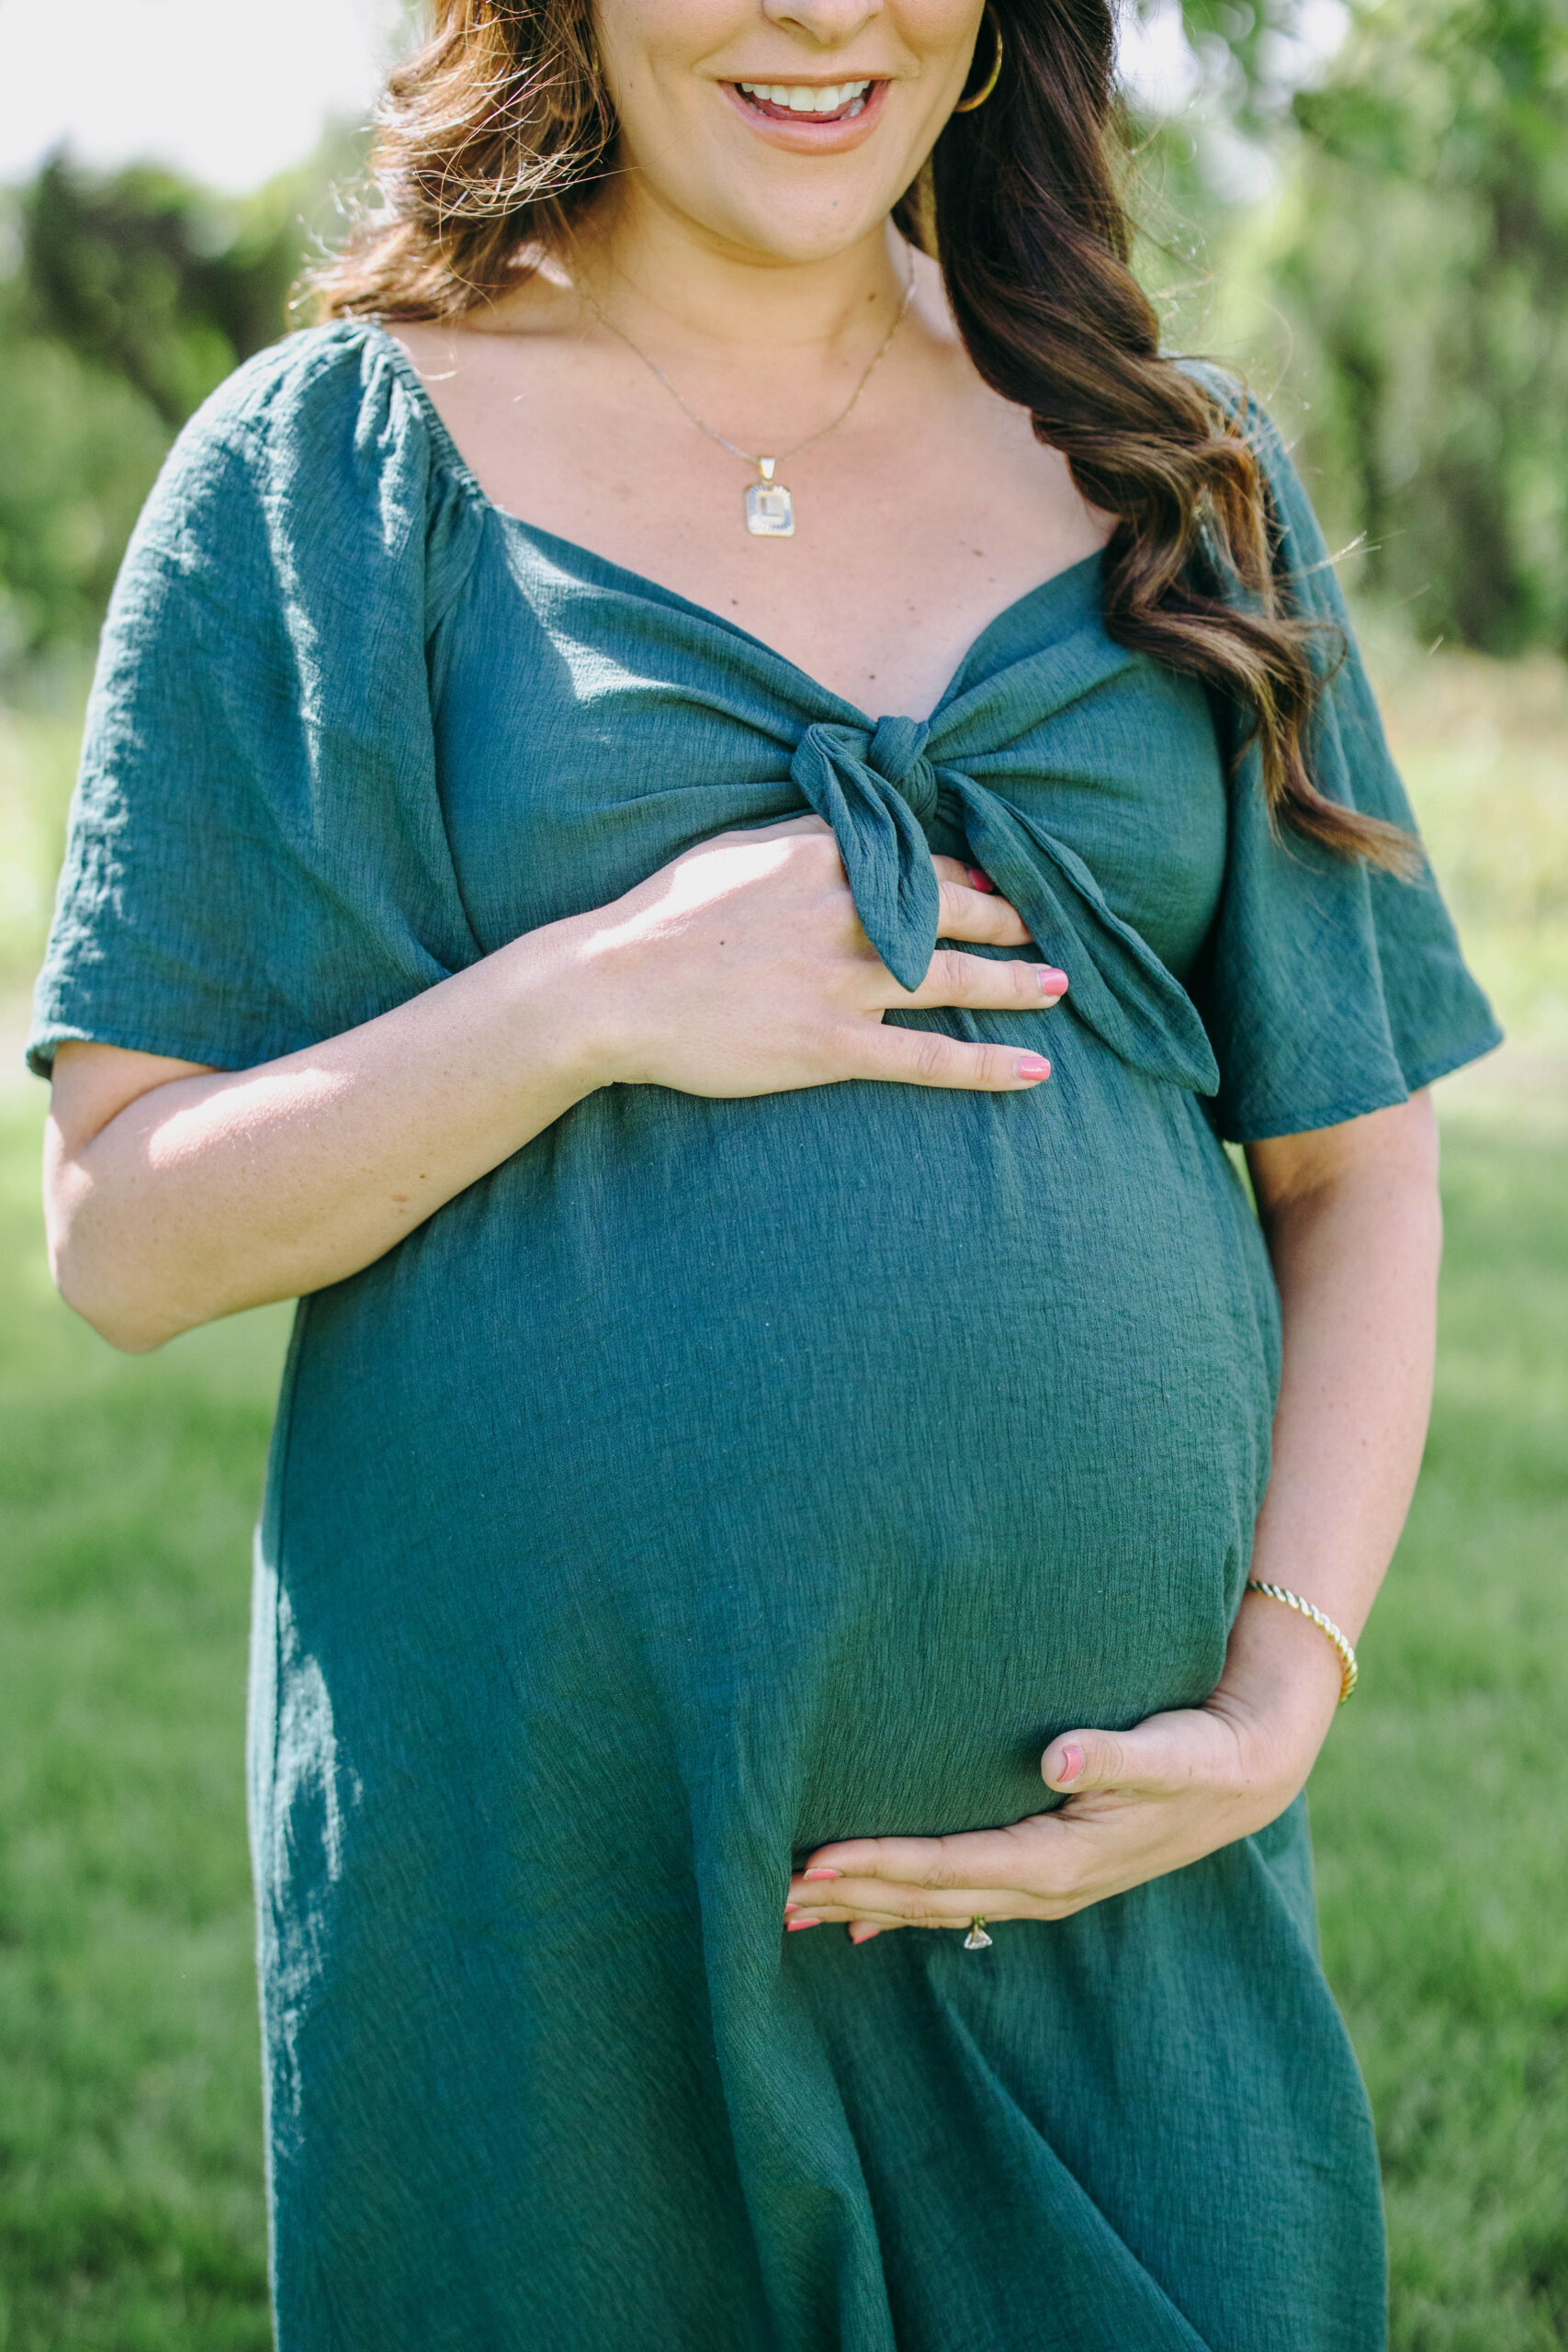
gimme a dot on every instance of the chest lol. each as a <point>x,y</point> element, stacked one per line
<point>589,729</point>
<point>917,520</point>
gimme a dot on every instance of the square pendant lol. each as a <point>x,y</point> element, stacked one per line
<point>769,511</point>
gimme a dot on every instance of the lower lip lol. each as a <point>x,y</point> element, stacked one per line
<point>804,134</point>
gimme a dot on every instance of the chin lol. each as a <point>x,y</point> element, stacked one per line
<point>788,245</point>
<point>790,216</point>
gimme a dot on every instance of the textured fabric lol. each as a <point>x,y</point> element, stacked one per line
<point>717,1478</point>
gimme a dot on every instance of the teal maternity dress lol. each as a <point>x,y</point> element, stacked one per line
<point>715,1478</point>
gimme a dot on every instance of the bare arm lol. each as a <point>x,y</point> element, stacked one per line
<point>1352,1222</point>
<point>174,1194</point>
<point>177,1194</point>
<point>1355,1234</point>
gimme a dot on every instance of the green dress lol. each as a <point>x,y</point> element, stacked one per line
<point>715,1478</point>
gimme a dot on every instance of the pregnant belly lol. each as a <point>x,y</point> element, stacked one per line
<point>870,1435</point>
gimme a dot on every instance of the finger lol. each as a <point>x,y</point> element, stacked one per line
<point>967,911</point>
<point>865,1901</point>
<point>1037,1868</point>
<point>968,1857</point>
<point>950,869</point>
<point>927,1057</point>
<point>1164,1753</point>
<point>983,982</point>
<point>1066,1761</point>
<point>860,1930</point>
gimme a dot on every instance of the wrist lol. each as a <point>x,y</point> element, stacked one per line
<point>554,991</point>
<point>1281,1669</point>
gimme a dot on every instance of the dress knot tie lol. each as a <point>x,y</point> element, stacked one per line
<point>898,751</point>
<point>878,789</point>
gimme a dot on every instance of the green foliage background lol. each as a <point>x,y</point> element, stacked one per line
<point>130,295</point>
<point>1400,290</point>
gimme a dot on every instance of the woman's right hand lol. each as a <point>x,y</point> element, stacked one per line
<point>741,968</point>
<point>177,1193</point>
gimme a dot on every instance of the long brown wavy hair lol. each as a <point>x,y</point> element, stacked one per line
<point>498,133</point>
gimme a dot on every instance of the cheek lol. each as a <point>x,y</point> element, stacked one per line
<point>942,33</point>
<point>653,52</point>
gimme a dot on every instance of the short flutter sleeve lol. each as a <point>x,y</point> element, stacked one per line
<point>256,856</point>
<point>1329,989</point>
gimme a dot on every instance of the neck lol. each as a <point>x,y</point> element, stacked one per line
<point>687,297</point>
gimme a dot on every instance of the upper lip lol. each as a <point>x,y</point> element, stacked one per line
<point>799,81</point>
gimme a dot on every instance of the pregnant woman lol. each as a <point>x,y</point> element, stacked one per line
<point>701,814</point>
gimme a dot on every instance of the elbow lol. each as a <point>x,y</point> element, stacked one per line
<point>95,1271</point>
<point>108,1252</point>
<point>123,1322</point>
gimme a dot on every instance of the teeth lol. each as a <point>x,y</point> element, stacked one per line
<point>799,100</point>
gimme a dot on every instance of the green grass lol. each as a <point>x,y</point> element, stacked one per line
<point>129,2130</point>
<point>131,2210</point>
<point>1439,1806</point>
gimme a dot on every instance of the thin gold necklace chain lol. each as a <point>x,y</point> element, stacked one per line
<point>763,463</point>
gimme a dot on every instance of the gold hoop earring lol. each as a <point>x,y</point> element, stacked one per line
<point>967,106</point>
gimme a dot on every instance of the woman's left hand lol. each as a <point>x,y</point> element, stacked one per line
<point>1140,1802</point>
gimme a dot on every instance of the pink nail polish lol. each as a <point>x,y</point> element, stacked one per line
<point>793,1926</point>
<point>863,1935</point>
<point>1032,1066</point>
<point>822,1870</point>
<point>1052,982</point>
<point>1072,1764</point>
<point>978,879</point>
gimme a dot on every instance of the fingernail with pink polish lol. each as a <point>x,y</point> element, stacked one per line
<point>863,1935</point>
<point>821,1870</point>
<point>793,1926</point>
<point>1072,1764</point>
<point>1052,982</point>
<point>978,879</point>
<point>1032,1066</point>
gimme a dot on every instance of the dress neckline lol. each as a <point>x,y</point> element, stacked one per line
<point>1082,577</point>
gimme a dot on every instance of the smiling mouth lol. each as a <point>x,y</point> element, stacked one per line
<point>799,102</point>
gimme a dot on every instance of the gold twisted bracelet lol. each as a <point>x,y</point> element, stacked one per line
<point>1348,1670</point>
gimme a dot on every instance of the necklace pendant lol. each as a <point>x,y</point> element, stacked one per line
<point>770,509</point>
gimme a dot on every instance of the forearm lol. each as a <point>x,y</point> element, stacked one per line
<point>226,1190</point>
<point>1356,1258</point>
<point>741,968</point>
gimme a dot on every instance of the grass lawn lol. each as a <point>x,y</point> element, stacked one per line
<point>1439,1804</point>
<point>129,2130</point>
<point>130,2210</point>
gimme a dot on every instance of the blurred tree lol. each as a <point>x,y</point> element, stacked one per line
<point>1430,269</point>
<point>129,296</point>
<point>79,449</point>
<point>151,279</point>
<point>1418,250</point>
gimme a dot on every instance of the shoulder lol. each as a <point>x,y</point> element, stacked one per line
<point>1244,413</point>
<point>318,456</point>
<point>1300,555</point>
<point>1232,398</point>
<point>329,411</point>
